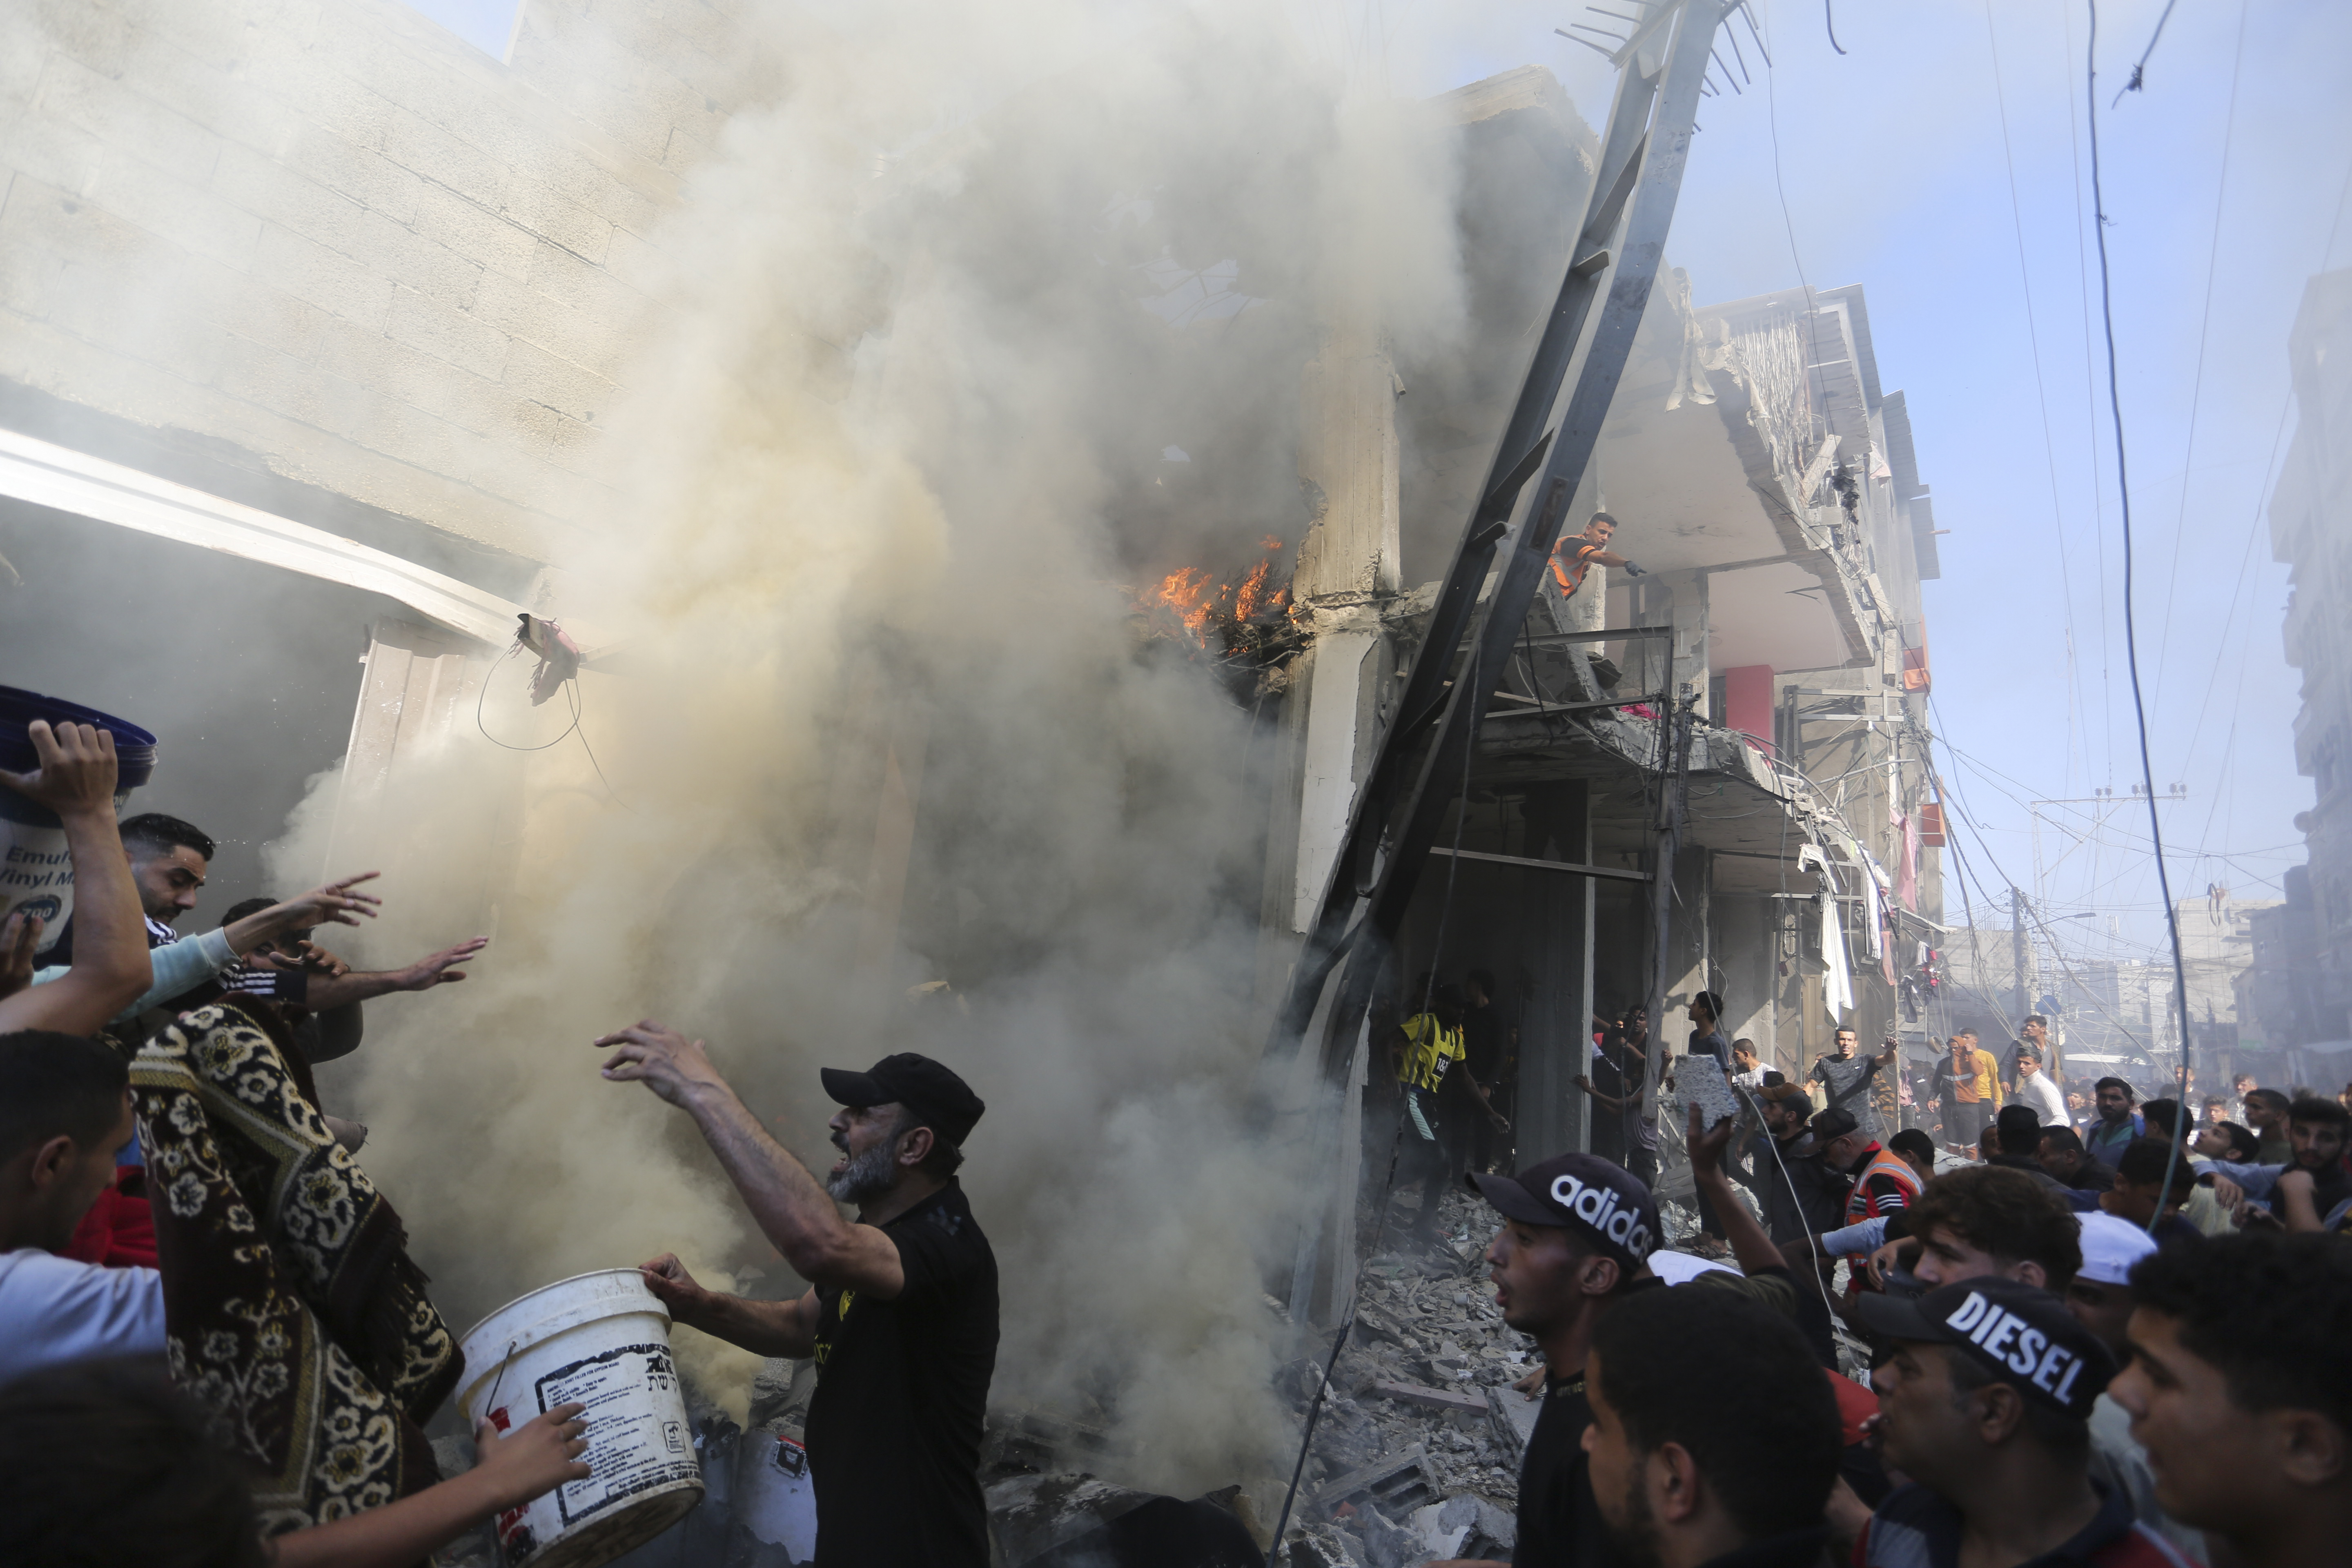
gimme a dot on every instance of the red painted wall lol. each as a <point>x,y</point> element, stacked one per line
<point>1748,701</point>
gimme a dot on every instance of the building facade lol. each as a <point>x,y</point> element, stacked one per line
<point>2311,530</point>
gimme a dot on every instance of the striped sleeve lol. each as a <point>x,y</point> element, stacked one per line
<point>1882,1196</point>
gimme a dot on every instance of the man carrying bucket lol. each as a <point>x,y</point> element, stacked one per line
<point>901,1316</point>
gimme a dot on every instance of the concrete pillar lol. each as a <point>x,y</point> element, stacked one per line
<point>1747,962</point>
<point>1337,700</point>
<point>1348,462</point>
<point>1348,465</point>
<point>1689,958</point>
<point>1553,1115</point>
<point>1690,654</point>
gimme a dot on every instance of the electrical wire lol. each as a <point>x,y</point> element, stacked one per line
<point>1789,222</point>
<point>2131,636</point>
<point>1968,820</point>
<point>2138,77</point>
<point>572,689</point>
<point>2090,405</point>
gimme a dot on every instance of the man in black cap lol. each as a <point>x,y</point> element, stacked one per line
<point>1576,1235</point>
<point>902,1313</point>
<point>1985,1403</point>
<point>1800,1197</point>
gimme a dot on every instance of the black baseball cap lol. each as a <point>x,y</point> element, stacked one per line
<point>1597,1198</point>
<point>1834,1123</point>
<point>940,1100</point>
<point>2023,1335</point>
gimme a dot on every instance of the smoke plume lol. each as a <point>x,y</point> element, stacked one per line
<point>970,317</point>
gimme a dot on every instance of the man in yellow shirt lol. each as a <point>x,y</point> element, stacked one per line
<point>1428,1047</point>
<point>1966,1086</point>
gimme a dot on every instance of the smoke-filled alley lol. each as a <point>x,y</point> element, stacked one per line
<point>921,785</point>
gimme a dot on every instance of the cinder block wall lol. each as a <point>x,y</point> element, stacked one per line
<point>335,237</point>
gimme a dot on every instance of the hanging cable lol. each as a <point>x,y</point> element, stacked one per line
<point>571,689</point>
<point>2131,639</point>
<point>2040,388</point>
<point>2139,68</point>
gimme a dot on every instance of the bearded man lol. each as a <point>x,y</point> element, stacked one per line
<point>901,1312</point>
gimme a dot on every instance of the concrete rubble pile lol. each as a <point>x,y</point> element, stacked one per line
<point>1416,1453</point>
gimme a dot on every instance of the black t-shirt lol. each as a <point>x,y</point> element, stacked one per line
<point>902,1386</point>
<point>1482,1047</point>
<point>1559,1524</point>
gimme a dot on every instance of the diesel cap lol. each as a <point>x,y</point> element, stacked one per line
<point>2025,1336</point>
<point>1600,1201</point>
<point>940,1100</point>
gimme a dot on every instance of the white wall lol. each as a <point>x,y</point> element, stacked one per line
<point>328,233</point>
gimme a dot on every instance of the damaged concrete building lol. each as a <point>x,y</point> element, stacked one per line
<point>1766,486</point>
<point>339,298</point>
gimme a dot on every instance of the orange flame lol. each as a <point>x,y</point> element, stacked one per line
<point>1192,594</point>
<point>1197,598</point>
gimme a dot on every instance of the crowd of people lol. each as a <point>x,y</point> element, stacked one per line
<point>2052,1382</point>
<point>2060,1369</point>
<point>2119,1341</point>
<point>214,1349</point>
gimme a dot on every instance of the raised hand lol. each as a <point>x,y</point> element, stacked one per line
<point>433,969</point>
<point>76,771</point>
<point>664,1060</point>
<point>337,901</point>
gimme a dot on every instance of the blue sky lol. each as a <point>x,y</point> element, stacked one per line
<point>1892,159</point>
<point>485,23</point>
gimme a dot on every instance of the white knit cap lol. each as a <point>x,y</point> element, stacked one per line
<point>2111,1246</point>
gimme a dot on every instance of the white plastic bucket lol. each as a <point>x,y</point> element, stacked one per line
<point>36,871</point>
<point>600,1339</point>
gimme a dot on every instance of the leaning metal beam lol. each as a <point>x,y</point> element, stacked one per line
<point>66,481</point>
<point>1422,759</point>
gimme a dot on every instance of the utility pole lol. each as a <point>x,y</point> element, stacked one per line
<point>2020,950</point>
<point>1674,798</point>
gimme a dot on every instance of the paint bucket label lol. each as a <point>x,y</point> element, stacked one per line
<point>635,1445</point>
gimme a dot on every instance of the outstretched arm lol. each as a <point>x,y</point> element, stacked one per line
<point>533,1460</point>
<point>764,1328</point>
<point>1753,1248</point>
<point>326,990</point>
<point>338,902</point>
<point>75,779</point>
<point>794,1211</point>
